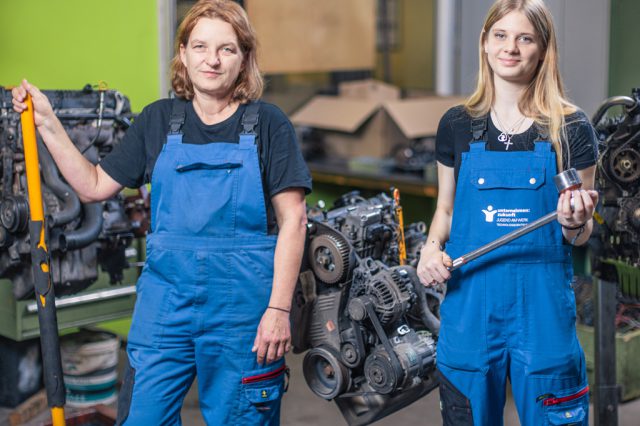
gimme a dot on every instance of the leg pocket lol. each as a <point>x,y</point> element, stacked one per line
<point>455,407</point>
<point>569,408</point>
<point>126,392</point>
<point>260,395</point>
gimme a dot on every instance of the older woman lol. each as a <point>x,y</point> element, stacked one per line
<point>228,225</point>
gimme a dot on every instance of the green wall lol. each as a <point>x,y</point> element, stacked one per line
<point>624,53</point>
<point>65,44</point>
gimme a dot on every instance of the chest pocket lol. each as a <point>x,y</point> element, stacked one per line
<point>531,178</point>
<point>205,189</point>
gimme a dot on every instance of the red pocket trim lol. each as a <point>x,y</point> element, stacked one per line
<point>555,401</point>
<point>265,376</point>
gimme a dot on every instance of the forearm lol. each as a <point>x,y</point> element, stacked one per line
<point>439,229</point>
<point>76,169</point>
<point>287,260</point>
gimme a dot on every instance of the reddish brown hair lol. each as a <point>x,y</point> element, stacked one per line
<point>249,84</point>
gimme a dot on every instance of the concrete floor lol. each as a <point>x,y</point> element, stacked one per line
<point>301,407</point>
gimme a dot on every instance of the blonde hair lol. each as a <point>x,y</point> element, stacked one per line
<point>544,98</point>
<point>250,83</point>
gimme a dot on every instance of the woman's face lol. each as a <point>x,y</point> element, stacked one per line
<point>513,48</point>
<point>212,57</point>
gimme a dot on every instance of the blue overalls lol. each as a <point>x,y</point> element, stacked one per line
<point>204,287</point>
<point>511,313</point>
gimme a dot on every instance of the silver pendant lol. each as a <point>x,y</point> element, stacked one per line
<point>503,137</point>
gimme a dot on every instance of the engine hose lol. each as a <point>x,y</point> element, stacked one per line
<point>70,201</point>
<point>88,231</point>
<point>629,103</point>
<point>428,318</point>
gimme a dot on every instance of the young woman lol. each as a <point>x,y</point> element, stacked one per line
<point>228,228</point>
<point>511,313</point>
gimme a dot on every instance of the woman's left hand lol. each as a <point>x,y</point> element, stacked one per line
<point>273,339</point>
<point>584,202</point>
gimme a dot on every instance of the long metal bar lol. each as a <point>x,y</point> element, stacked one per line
<point>507,238</point>
<point>45,298</point>
<point>64,302</point>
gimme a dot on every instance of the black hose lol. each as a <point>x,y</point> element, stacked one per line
<point>88,231</point>
<point>70,201</point>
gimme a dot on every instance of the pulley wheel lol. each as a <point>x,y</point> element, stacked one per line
<point>380,374</point>
<point>329,258</point>
<point>624,164</point>
<point>326,376</point>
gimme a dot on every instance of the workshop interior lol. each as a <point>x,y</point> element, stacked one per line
<point>364,83</point>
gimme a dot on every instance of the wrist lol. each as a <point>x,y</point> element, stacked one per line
<point>432,245</point>
<point>280,309</point>
<point>572,228</point>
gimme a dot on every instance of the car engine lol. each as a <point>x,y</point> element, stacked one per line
<point>81,236</point>
<point>615,242</point>
<point>369,327</point>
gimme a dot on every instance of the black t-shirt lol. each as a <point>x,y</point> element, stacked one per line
<point>454,135</point>
<point>131,162</point>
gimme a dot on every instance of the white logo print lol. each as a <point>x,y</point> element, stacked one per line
<point>489,213</point>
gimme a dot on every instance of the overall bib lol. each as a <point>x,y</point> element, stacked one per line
<point>205,285</point>
<point>511,313</point>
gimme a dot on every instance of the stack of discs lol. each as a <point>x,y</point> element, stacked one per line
<point>89,366</point>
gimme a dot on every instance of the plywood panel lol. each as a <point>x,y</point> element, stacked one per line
<point>311,35</point>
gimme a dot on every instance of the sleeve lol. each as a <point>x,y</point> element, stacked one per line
<point>285,167</point>
<point>583,147</point>
<point>127,162</point>
<point>445,153</point>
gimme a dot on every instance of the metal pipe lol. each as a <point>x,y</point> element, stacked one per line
<point>445,47</point>
<point>626,101</point>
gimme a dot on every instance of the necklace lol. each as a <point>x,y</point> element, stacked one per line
<point>507,133</point>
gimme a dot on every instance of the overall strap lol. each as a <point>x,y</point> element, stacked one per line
<point>178,114</point>
<point>478,134</point>
<point>249,122</point>
<point>479,128</point>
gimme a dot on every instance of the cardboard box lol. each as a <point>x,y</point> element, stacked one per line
<point>368,118</point>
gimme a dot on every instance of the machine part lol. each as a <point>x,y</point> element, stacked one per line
<point>95,121</point>
<point>325,374</point>
<point>329,258</point>
<point>567,180</point>
<point>624,165</point>
<point>400,218</point>
<point>350,355</point>
<point>617,227</point>
<point>367,327</point>
<point>380,374</point>
<point>614,239</point>
<point>14,213</point>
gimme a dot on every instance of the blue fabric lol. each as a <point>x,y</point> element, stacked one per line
<point>203,290</point>
<point>511,313</point>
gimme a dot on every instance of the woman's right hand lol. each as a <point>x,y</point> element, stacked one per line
<point>432,266</point>
<point>43,112</point>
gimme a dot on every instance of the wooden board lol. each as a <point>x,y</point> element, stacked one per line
<point>311,35</point>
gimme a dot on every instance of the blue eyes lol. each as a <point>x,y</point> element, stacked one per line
<point>521,39</point>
